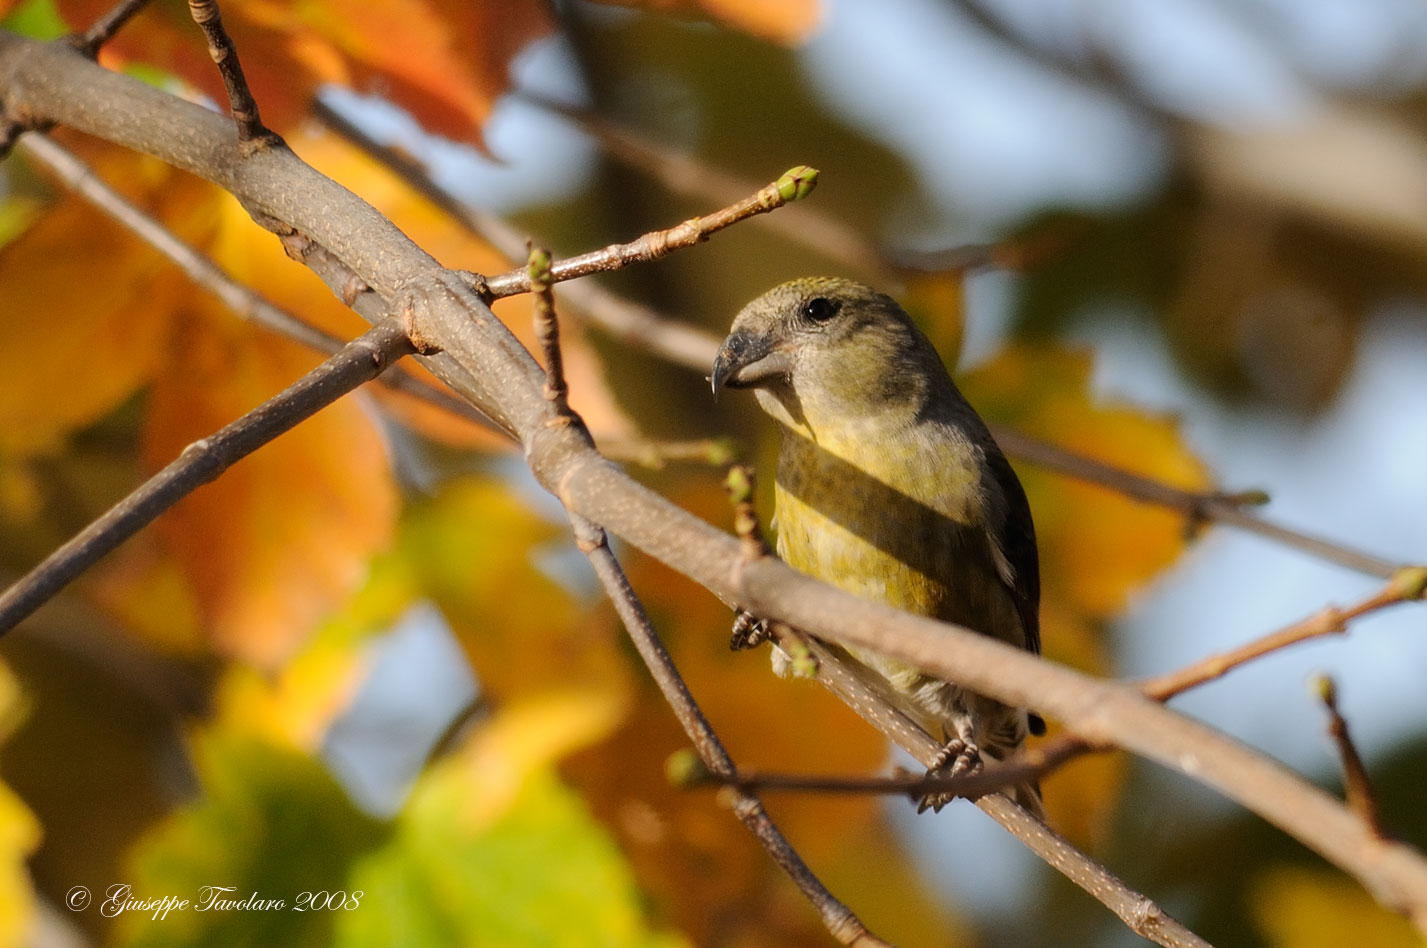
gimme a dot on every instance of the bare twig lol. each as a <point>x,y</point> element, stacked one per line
<point>247,304</point>
<point>1406,585</point>
<point>1357,786</point>
<point>617,315</point>
<point>201,462</point>
<point>840,921</point>
<point>103,29</point>
<point>251,130</point>
<point>1196,505</point>
<point>682,173</point>
<point>715,452</point>
<point>1029,765</point>
<point>794,185</point>
<point>547,333</point>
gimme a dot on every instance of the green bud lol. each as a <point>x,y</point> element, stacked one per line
<point>801,660</point>
<point>797,183</point>
<point>721,451</point>
<point>1325,689</point>
<point>538,267</point>
<point>1410,582</point>
<point>685,769</point>
<point>739,484</point>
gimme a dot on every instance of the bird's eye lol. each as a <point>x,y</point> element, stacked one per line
<point>819,309</point>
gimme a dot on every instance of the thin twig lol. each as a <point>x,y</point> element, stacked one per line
<point>251,130</point>
<point>1196,505</point>
<point>244,302</point>
<point>617,315</point>
<point>547,333</point>
<point>202,461</point>
<point>1032,763</point>
<point>1357,786</point>
<point>715,452</point>
<point>103,29</point>
<point>1406,585</point>
<point>682,173</point>
<point>794,185</point>
<point>838,918</point>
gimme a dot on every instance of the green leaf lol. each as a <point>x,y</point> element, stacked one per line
<point>271,822</point>
<point>541,871</point>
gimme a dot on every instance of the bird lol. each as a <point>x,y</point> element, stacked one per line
<point>890,486</point>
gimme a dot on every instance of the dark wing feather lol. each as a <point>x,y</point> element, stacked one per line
<point>1015,536</point>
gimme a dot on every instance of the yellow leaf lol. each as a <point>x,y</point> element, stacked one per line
<point>93,309</point>
<point>525,738</point>
<point>19,834</point>
<point>1097,547</point>
<point>1308,908</point>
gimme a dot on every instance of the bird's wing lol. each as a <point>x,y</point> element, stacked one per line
<point>1013,537</point>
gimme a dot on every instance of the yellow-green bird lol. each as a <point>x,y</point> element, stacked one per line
<point>891,487</point>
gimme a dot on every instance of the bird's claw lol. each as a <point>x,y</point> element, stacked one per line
<point>748,632</point>
<point>956,758</point>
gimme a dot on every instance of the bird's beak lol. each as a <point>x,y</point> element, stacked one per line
<point>747,360</point>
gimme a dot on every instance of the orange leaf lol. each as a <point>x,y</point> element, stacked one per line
<point>444,61</point>
<point>91,309</point>
<point>782,21</point>
<point>285,534</point>
<point>1097,547</point>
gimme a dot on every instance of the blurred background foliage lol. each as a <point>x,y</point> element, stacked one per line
<point>1182,237</point>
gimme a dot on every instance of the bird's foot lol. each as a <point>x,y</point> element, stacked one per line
<point>748,632</point>
<point>956,758</point>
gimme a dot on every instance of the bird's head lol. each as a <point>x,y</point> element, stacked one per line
<point>824,347</point>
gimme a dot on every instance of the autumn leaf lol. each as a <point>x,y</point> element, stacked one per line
<point>781,21</point>
<point>1045,393</point>
<point>111,339</point>
<point>19,833</point>
<point>1298,907</point>
<point>285,534</point>
<point>444,61</point>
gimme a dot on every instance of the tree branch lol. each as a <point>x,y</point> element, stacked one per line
<point>104,28</point>
<point>1408,584</point>
<point>794,185</point>
<point>202,461</point>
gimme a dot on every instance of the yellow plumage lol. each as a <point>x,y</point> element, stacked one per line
<point>890,487</point>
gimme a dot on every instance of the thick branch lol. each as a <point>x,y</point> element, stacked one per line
<point>201,462</point>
